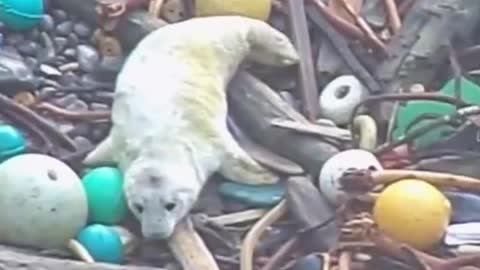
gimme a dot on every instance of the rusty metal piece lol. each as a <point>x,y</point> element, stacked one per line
<point>339,23</point>
<point>306,72</point>
<point>345,260</point>
<point>394,21</point>
<point>25,98</point>
<point>365,28</point>
<point>404,252</point>
<point>189,248</point>
<point>109,46</point>
<point>174,11</point>
<point>337,8</point>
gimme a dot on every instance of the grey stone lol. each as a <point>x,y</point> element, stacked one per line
<point>59,15</point>
<point>12,51</point>
<point>28,48</point>
<point>60,43</point>
<point>65,28</point>
<point>82,29</point>
<point>47,24</point>
<point>78,105</point>
<point>99,107</point>
<point>32,62</point>
<point>82,143</point>
<point>65,101</point>
<point>73,40</point>
<point>14,39</point>
<point>70,53</point>
<point>65,127</point>
<point>87,57</point>
<point>50,71</point>
<point>68,79</point>
<point>33,34</point>
<point>60,60</point>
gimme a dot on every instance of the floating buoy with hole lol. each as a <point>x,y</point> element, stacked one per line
<point>337,165</point>
<point>42,202</point>
<point>340,96</point>
<point>413,212</point>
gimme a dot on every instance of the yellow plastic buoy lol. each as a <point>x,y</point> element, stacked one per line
<point>414,212</point>
<point>258,9</point>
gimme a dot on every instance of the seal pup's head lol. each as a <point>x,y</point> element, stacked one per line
<point>160,192</point>
<point>269,46</point>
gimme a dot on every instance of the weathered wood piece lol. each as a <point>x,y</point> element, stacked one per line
<point>13,260</point>
<point>254,106</point>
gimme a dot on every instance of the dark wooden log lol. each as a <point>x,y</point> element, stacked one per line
<point>15,260</point>
<point>254,105</point>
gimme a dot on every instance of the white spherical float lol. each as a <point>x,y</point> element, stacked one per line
<point>42,202</point>
<point>337,165</point>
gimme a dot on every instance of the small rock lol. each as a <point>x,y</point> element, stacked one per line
<point>68,79</point>
<point>70,53</point>
<point>82,142</point>
<point>28,48</point>
<point>32,62</point>
<point>59,15</point>
<point>69,67</point>
<point>81,129</point>
<point>60,60</point>
<point>99,107</point>
<point>78,105</point>
<point>99,132</point>
<point>309,262</point>
<point>82,30</point>
<point>87,57</point>
<point>65,127</point>
<point>73,40</point>
<point>50,71</point>
<point>47,91</point>
<point>65,101</point>
<point>33,34</point>
<point>12,51</point>
<point>47,24</point>
<point>48,82</point>
<point>60,43</point>
<point>64,29</point>
<point>14,39</point>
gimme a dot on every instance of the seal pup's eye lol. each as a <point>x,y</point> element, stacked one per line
<point>138,207</point>
<point>170,206</point>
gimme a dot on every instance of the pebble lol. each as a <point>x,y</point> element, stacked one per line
<point>82,142</point>
<point>14,39</point>
<point>50,71</point>
<point>73,40</point>
<point>69,67</point>
<point>60,60</point>
<point>64,29</point>
<point>82,30</point>
<point>59,15</point>
<point>65,101</point>
<point>32,62</point>
<point>87,57</point>
<point>99,107</point>
<point>33,34</point>
<point>60,43</point>
<point>70,53</point>
<point>28,48</point>
<point>47,24</point>
<point>69,79</point>
<point>78,105</point>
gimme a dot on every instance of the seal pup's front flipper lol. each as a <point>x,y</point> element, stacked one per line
<point>102,154</point>
<point>238,166</point>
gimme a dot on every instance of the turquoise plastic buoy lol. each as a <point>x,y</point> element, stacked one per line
<point>106,199</point>
<point>12,142</point>
<point>103,243</point>
<point>253,195</point>
<point>21,14</point>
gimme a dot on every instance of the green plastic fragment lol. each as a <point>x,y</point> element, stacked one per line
<point>253,195</point>
<point>407,114</point>
<point>106,199</point>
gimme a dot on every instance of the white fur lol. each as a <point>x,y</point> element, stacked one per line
<point>169,131</point>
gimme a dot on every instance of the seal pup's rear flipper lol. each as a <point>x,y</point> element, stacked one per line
<point>238,166</point>
<point>103,154</point>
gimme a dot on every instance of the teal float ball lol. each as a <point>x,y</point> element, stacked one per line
<point>12,142</point>
<point>106,199</point>
<point>103,243</point>
<point>21,14</point>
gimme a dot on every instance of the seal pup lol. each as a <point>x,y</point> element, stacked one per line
<point>169,116</point>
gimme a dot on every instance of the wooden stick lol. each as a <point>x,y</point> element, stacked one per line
<point>393,17</point>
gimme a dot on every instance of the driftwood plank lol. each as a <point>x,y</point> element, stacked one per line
<point>13,260</point>
<point>254,106</point>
